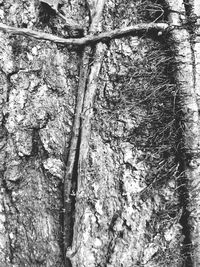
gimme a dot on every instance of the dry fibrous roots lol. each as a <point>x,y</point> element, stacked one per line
<point>137,104</point>
<point>146,86</point>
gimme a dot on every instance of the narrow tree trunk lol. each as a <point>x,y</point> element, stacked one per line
<point>187,78</point>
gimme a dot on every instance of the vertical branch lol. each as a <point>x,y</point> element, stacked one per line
<point>96,12</point>
<point>88,105</point>
<point>91,85</point>
<point>73,156</point>
<point>73,151</point>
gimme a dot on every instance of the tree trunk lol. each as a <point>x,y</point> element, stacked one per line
<point>187,77</point>
<point>100,143</point>
<point>38,94</point>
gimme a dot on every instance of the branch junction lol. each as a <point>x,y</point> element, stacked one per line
<point>88,39</point>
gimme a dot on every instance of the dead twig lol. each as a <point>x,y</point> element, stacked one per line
<point>74,151</point>
<point>88,39</point>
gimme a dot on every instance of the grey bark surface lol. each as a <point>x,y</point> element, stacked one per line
<point>37,82</point>
<point>187,77</point>
<point>101,124</point>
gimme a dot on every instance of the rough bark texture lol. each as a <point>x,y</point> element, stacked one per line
<point>102,126</point>
<point>71,178</point>
<point>187,77</point>
<point>38,83</point>
<point>118,221</point>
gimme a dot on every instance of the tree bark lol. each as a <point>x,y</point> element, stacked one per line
<point>92,149</point>
<point>72,175</point>
<point>187,77</point>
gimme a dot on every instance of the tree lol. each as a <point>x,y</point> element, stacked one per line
<point>100,133</point>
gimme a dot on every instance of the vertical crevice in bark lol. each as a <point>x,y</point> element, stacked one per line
<point>183,191</point>
<point>188,150</point>
<point>7,249</point>
<point>7,204</point>
<point>9,253</point>
<point>183,156</point>
<point>188,126</point>
<point>71,205</point>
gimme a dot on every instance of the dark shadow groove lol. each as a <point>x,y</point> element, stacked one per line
<point>183,192</point>
<point>71,220</point>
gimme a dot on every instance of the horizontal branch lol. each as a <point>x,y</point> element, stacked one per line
<point>89,39</point>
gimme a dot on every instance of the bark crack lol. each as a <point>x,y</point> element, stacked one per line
<point>187,126</point>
